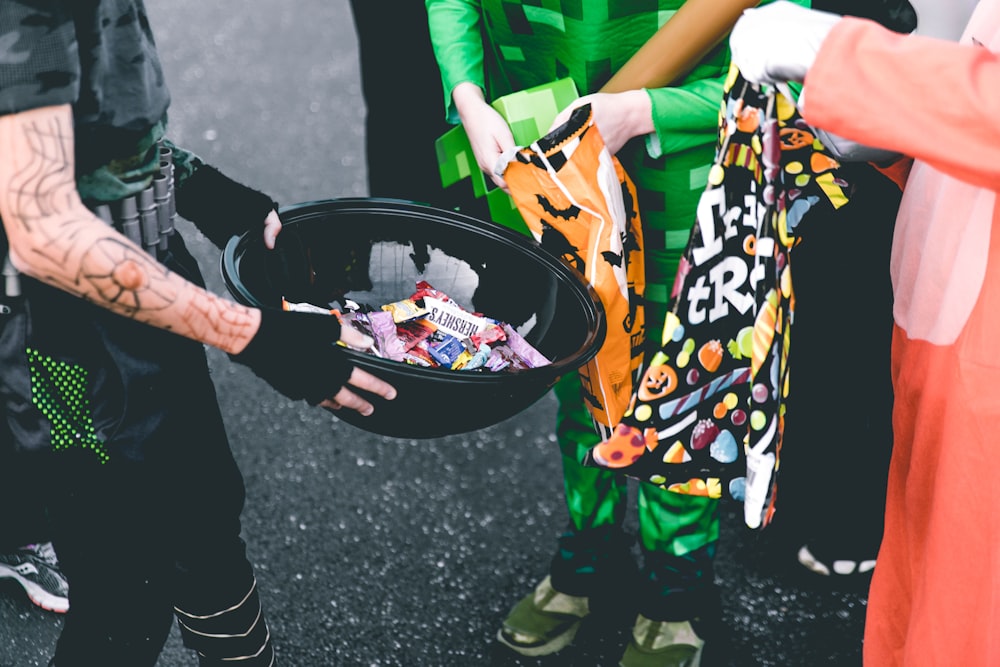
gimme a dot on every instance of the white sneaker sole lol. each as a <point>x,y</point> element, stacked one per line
<point>841,567</point>
<point>38,595</point>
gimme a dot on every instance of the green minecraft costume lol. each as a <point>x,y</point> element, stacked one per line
<point>531,43</point>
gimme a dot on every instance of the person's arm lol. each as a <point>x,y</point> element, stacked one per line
<point>686,114</point>
<point>932,99</point>
<point>692,32</point>
<point>661,92</point>
<point>488,132</point>
<point>457,35</point>
<point>219,206</point>
<point>55,239</point>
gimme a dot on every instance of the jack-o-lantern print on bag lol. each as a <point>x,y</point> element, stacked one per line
<point>707,415</point>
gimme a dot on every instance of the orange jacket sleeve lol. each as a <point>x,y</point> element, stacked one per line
<point>934,100</point>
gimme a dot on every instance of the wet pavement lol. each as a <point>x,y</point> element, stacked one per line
<point>373,551</point>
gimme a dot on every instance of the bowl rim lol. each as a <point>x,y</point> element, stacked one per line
<point>299,212</point>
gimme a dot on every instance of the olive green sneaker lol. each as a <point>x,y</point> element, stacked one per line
<point>662,644</point>
<point>544,621</point>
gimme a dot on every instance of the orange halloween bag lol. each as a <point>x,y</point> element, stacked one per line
<point>580,205</point>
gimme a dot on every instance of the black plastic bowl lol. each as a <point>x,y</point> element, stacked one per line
<point>373,251</point>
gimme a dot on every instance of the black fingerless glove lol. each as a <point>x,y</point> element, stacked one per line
<point>297,354</point>
<point>220,207</point>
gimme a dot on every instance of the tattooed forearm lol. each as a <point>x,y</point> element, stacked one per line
<point>54,238</point>
<point>128,277</point>
<point>44,184</point>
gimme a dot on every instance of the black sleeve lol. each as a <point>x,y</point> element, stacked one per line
<point>896,15</point>
<point>219,206</point>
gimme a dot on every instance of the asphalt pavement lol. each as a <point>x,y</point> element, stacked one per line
<point>374,551</point>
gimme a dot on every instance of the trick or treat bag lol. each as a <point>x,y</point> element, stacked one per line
<point>579,203</point>
<point>707,416</point>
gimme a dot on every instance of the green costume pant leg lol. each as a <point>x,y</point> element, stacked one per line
<point>594,497</point>
<point>674,523</point>
<point>594,551</point>
<point>677,533</point>
<point>669,522</point>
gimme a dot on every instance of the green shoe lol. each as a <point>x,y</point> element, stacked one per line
<point>544,621</point>
<point>662,644</point>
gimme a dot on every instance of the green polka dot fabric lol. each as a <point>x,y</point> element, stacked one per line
<point>59,391</point>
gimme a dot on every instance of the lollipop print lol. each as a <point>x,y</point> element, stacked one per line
<point>763,330</point>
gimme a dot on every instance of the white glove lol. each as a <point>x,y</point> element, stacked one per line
<point>778,42</point>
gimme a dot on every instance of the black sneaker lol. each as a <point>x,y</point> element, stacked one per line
<point>35,567</point>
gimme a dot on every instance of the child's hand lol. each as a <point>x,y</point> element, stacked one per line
<point>618,116</point>
<point>488,132</point>
<point>272,226</point>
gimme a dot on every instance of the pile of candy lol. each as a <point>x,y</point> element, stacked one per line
<point>430,329</point>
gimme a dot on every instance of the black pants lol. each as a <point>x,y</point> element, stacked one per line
<point>24,484</point>
<point>145,496</point>
<point>838,430</point>
<point>405,105</point>
<point>136,537</point>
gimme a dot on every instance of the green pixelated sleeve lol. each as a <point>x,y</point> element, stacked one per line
<point>684,116</point>
<point>687,114</point>
<point>458,46</point>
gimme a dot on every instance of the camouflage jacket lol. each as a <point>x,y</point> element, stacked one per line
<point>100,57</point>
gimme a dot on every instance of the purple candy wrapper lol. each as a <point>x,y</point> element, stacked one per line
<point>532,357</point>
<point>384,332</point>
<point>502,357</point>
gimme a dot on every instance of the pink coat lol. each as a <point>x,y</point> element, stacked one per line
<point>935,594</point>
<point>939,102</point>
